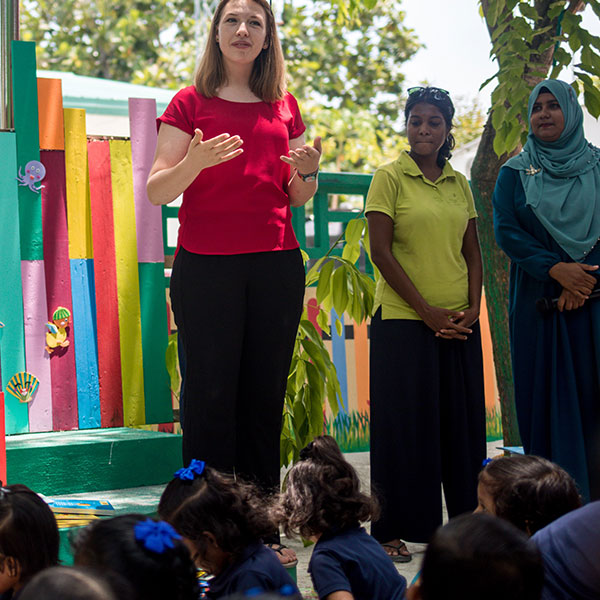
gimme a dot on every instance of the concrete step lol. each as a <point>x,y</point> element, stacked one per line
<point>69,462</point>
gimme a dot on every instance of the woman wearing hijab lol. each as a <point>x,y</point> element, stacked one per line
<point>547,220</point>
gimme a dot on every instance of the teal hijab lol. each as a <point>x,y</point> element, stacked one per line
<point>561,179</point>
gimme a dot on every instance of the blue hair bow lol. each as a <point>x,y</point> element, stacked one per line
<point>196,467</point>
<point>157,536</point>
<point>486,461</point>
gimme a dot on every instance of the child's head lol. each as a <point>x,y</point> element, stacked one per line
<point>29,537</point>
<point>528,491</point>
<point>68,583</point>
<point>322,493</point>
<point>149,554</point>
<point>185,483</point>
<point>479,556</point>
<point>219,516</point>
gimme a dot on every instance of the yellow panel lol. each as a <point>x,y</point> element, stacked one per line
<point>128,285</point>
<point>78,205</point>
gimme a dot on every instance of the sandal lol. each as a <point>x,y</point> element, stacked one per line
<point>279,548</point>
<point>398,556</point>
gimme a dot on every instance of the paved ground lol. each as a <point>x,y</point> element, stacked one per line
<point>360,461</point>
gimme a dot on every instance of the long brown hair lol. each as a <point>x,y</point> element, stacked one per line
<point>267,80</point>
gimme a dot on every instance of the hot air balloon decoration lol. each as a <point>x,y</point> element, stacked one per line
<point>22,386</point>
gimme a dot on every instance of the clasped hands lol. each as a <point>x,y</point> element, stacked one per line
<point>576,281</point>
<point>450,324</point>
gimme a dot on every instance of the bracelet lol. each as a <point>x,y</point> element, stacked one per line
<point>309,176</point>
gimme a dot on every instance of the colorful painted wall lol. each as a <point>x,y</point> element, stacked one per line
<point>83,237</point>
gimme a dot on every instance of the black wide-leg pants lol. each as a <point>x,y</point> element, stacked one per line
<point>238,316</point>
<point>427,426</point>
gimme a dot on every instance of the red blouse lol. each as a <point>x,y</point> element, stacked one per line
<point>242,205</point>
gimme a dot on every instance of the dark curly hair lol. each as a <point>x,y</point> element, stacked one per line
<point>322,493</point>
<point>112,545</point>
<point>529,491</point>
<point>229,508</point>
<point>479,556</point>
<point>29,537</point>
<point>443,102</point>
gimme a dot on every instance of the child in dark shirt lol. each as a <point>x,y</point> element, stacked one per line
<point>323,502</point>
<point>28,538</point>
<point>147,553</point>
<point>222,521</point>
<point>528,491</point>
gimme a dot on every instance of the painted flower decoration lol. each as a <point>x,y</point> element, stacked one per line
<point>196,467</point>
<point>156,536</point>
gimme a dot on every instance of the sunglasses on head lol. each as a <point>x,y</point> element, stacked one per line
<point>435,92</point>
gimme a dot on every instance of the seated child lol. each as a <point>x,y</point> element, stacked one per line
<point>29,538</point>
<point>148,554</point>
<point>68,583</point>
<point>323,502</point>
<point>223,521</point>
<point>476,557</point>
<point>528,491</point>
<point>570,548</point>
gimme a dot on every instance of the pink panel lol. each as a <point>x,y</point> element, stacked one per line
<point>142,118</point>
<point>36,357</point>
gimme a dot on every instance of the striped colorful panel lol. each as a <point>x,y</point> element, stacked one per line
<point>154,343</point>
<point>25,110</point>
<point>105,277</point>
<point>78,207</point>
<point>128,287</point>
<point>86,355</point>
<point>338,354</point>
<point>142,118</point>
<point>58,288</point>
<point>11,289</point>
<point>50,106</point>
<point>37,359</point>
<point>2,441</point>
<point>361,355</point>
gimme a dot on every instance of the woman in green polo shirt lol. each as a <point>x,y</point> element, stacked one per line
<point>427,393</point>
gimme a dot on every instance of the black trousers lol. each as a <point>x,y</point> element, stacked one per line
<point>427,426</point>
<point>238,316</point>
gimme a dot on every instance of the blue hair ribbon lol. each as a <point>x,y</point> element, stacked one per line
<point>486,461</point>
<point>196,467</point>
<point>156,536</point>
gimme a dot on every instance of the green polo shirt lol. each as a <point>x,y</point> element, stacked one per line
<point>430,219</point>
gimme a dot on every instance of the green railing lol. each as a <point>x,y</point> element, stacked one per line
<point>331,185</point>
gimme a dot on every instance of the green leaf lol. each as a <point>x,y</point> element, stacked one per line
<point>351,253</point>
<point>354,230</point>
<point>323,321</point>
<point>172,361</point>
<point>339,289</point>
<point>324,285</point>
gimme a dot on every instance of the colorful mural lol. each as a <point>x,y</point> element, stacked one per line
<point>81,236</point>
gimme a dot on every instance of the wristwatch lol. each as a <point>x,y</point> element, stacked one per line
<point>309,176</point>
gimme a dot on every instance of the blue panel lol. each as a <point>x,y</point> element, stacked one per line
<point>86,346</point>
<point>338,346</point>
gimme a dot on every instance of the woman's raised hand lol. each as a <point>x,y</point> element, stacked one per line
<point>575,277</point>
<point>305,159</point>
<point>214,151</point>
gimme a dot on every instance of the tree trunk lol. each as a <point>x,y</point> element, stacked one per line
<point>484,173</point>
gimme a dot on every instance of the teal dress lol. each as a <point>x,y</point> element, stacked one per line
<point>556,356</point>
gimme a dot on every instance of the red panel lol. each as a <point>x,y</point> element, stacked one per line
<point>105,273</point>
<point>58,287</point>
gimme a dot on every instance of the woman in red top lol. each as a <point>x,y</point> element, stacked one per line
<point>234,145</point>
